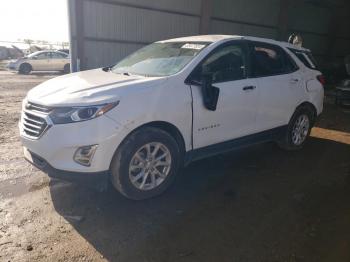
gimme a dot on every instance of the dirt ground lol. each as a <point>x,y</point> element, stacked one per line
<point>255,204</point>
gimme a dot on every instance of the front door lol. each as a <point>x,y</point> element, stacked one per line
<point>236,107</point>
<point>41,62</point>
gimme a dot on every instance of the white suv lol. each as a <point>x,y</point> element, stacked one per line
<point>167,104</point>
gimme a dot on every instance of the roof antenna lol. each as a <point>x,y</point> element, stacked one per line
<point>296,40</point>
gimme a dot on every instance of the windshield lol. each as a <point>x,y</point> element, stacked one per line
<point>34,54</point>
<point>160,59</point>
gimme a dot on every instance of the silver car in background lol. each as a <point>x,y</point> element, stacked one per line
<point>42,61</point>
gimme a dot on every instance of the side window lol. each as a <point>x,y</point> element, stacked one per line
<point>57,55</point>
<point>227,63</point>
<point>269,60</point>
<point>305,57</point>
<point>43,56</point>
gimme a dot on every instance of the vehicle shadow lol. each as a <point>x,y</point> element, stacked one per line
<point>46,73</point>
<point>220,208</point>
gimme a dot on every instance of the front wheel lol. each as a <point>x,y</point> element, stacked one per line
<point>145,164</point>
<point>25,69</point>
<point>298,129</point>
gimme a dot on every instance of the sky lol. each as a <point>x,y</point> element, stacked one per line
<point>34,19</point>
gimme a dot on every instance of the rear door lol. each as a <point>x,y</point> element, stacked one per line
<point>236,107</point>
<point>58,61</point>
<point>279,85</point>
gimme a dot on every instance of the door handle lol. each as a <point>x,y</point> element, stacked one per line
<point>246,88</point>
<point>294,80</point>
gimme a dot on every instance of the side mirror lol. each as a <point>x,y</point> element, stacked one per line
<point>210,92</point>
<point>34,57</point>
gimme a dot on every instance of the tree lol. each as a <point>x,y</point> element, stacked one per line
<point>28,41</point>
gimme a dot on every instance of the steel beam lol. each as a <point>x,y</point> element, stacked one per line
<point>71,21</point>
<point>283,20</point>
<point>206,12</point>
<point>79,18</point>
<point>144,7</point>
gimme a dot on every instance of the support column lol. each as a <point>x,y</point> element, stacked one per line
<point>283,20</point>
<point>206,12</point>
<point>332,33</point>
<point>72,40</point>
<point>79,20</point>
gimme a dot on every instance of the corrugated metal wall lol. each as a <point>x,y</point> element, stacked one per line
<point>312,20</point>
<point>113,29</point>
<point>246,17</point>
<point>104,31</point>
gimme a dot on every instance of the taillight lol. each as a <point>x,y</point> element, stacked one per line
<point>321,79</point>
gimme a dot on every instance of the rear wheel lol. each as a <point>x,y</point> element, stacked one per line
<point>66,69</point>
<point>25,69</point>
<point>298,129</point>
<point>145,164</point>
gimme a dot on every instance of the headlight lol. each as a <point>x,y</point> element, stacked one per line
<point>64,115</point>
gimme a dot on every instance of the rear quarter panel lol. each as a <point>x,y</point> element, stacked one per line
<point>315,93</point>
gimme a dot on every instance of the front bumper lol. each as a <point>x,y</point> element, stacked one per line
<point>12,66</point>
<point>97,179</point>
<point>60,142</point>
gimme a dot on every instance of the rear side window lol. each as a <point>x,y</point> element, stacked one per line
<point>269,60</point>
<point>43,56</point>
<point>305,57</point>
<point>58,55</point>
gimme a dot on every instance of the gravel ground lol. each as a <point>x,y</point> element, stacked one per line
<point>255,204</point>
<point>13,89</point>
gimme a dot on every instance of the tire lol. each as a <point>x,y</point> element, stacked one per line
<point>129,167</point>
<point>289,140</point>
<point>25,69</point>
<point>66,69</point>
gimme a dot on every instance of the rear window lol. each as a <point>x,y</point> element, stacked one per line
<point>305,57</point>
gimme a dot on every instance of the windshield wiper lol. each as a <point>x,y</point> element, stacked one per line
<point>107,68</point>
<point>126,73</point>
<point>129,74</point>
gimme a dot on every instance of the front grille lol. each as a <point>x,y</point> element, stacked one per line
<point>33,120</point>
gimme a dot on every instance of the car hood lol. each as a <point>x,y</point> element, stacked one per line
<point>13,61</point>
<point>88,87</point>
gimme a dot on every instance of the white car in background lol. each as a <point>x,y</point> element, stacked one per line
<point>42,61</point>
<point>170,103</point>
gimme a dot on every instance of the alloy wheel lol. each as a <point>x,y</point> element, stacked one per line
<point>150,166</point>
<point>300,129</point>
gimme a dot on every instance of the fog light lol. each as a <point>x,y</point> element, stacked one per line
<point>84,155</point>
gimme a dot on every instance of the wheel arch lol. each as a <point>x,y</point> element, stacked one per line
<point>163,125</point>
<point>170,129</point>
<point>310,106</point>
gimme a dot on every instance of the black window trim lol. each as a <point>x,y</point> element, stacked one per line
<point>46,53</point>
<point>245,48</point>
<point>53,53</point>
<point>307,53</point>
<point>251,45</point>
